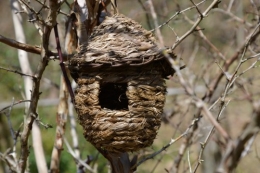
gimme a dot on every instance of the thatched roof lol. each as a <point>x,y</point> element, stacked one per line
<point>119,42</point>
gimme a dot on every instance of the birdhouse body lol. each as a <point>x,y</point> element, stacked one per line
<point>121,89</point>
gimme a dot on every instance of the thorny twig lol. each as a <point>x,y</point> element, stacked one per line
<point>34,16</point>
<point>231,80</point>
<point>18,45</point>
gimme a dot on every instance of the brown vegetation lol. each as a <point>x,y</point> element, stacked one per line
<point>211,115</point>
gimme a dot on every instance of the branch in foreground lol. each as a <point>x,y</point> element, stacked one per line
<point>19,45</point>
<point>35,93</point>
<point>26,47</point>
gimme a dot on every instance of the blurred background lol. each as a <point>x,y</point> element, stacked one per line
<point>220,36</point>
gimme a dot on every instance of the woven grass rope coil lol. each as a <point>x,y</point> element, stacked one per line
<point>121,85</point>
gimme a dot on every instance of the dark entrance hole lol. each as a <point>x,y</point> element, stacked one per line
<point>113,96</point>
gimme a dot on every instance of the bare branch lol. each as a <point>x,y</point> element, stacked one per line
<point>73,131</point>
<point>187,131</point>
<point>15,103</point>
<point>202,35</point>
<point>18,45</point>
<point>17,72</point>
<point>26,47</point>
<point>237,147</point>
<point>70,150</point>
<point>32,115</point>
<point>236,18</point>
<point>177,13</point>
<point>204,14</point>
<point>146,14</point>
<point>252,36</point>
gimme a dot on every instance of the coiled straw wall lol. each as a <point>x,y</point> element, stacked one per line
<point>121,89</point>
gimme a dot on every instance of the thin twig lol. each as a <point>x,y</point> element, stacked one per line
<point>13,104</point>
<point>157,30</point>
<point>34,17</point>
<point>203,144</point>
<point>213,85</point>
<point>146,14</point>
<point>46,126</point>
<point>47,7</point>
<point>190,168</point>
<point>73,130</point>
<point>17,72</point>
<point>234,76</point>
<point>236,18</point>
<point>192,29</point>
<point>172,141</point>
<point>202,35</point>
<point>10,123</point>
<point>235,148</point>
<point>176,14</point>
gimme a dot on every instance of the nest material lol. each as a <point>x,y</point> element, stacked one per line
<point>121,90</point>
<point>118,42</point>
<point>121,130</point>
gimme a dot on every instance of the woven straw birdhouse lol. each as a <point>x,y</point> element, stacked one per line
<point>121,89</point>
